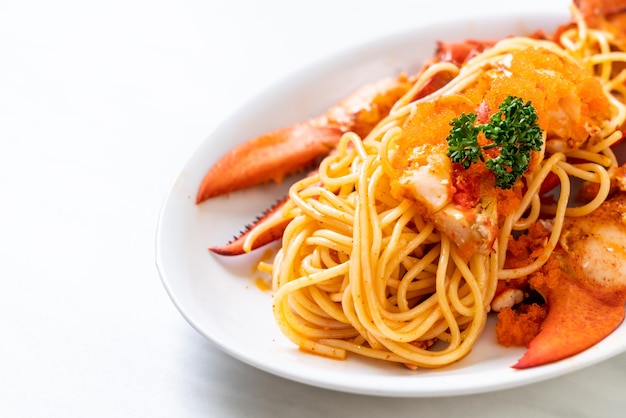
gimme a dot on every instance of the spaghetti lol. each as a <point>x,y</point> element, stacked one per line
<point>370,263</point>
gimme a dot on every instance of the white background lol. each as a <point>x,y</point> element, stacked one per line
<point>101,103</point>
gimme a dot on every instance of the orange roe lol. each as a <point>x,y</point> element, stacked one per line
<point>430,125</point>
<point>547,277</point>
<point>519,327</point>
<point>509,201</point>
<point>525,248</point>
<point>466,187</point>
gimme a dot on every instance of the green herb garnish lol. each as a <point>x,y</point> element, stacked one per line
<point>514,130</point>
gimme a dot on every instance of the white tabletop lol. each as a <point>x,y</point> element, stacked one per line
<point>101,103</point>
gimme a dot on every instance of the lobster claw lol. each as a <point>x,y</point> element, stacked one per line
<point>269,157</point>
<point>578,319</point>
<point>287,150</point>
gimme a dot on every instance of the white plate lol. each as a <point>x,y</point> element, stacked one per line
<point>219,297</point>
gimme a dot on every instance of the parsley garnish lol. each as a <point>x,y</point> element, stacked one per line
<point>514,130</point>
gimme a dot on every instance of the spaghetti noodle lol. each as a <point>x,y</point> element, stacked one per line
<point>369,264</point>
